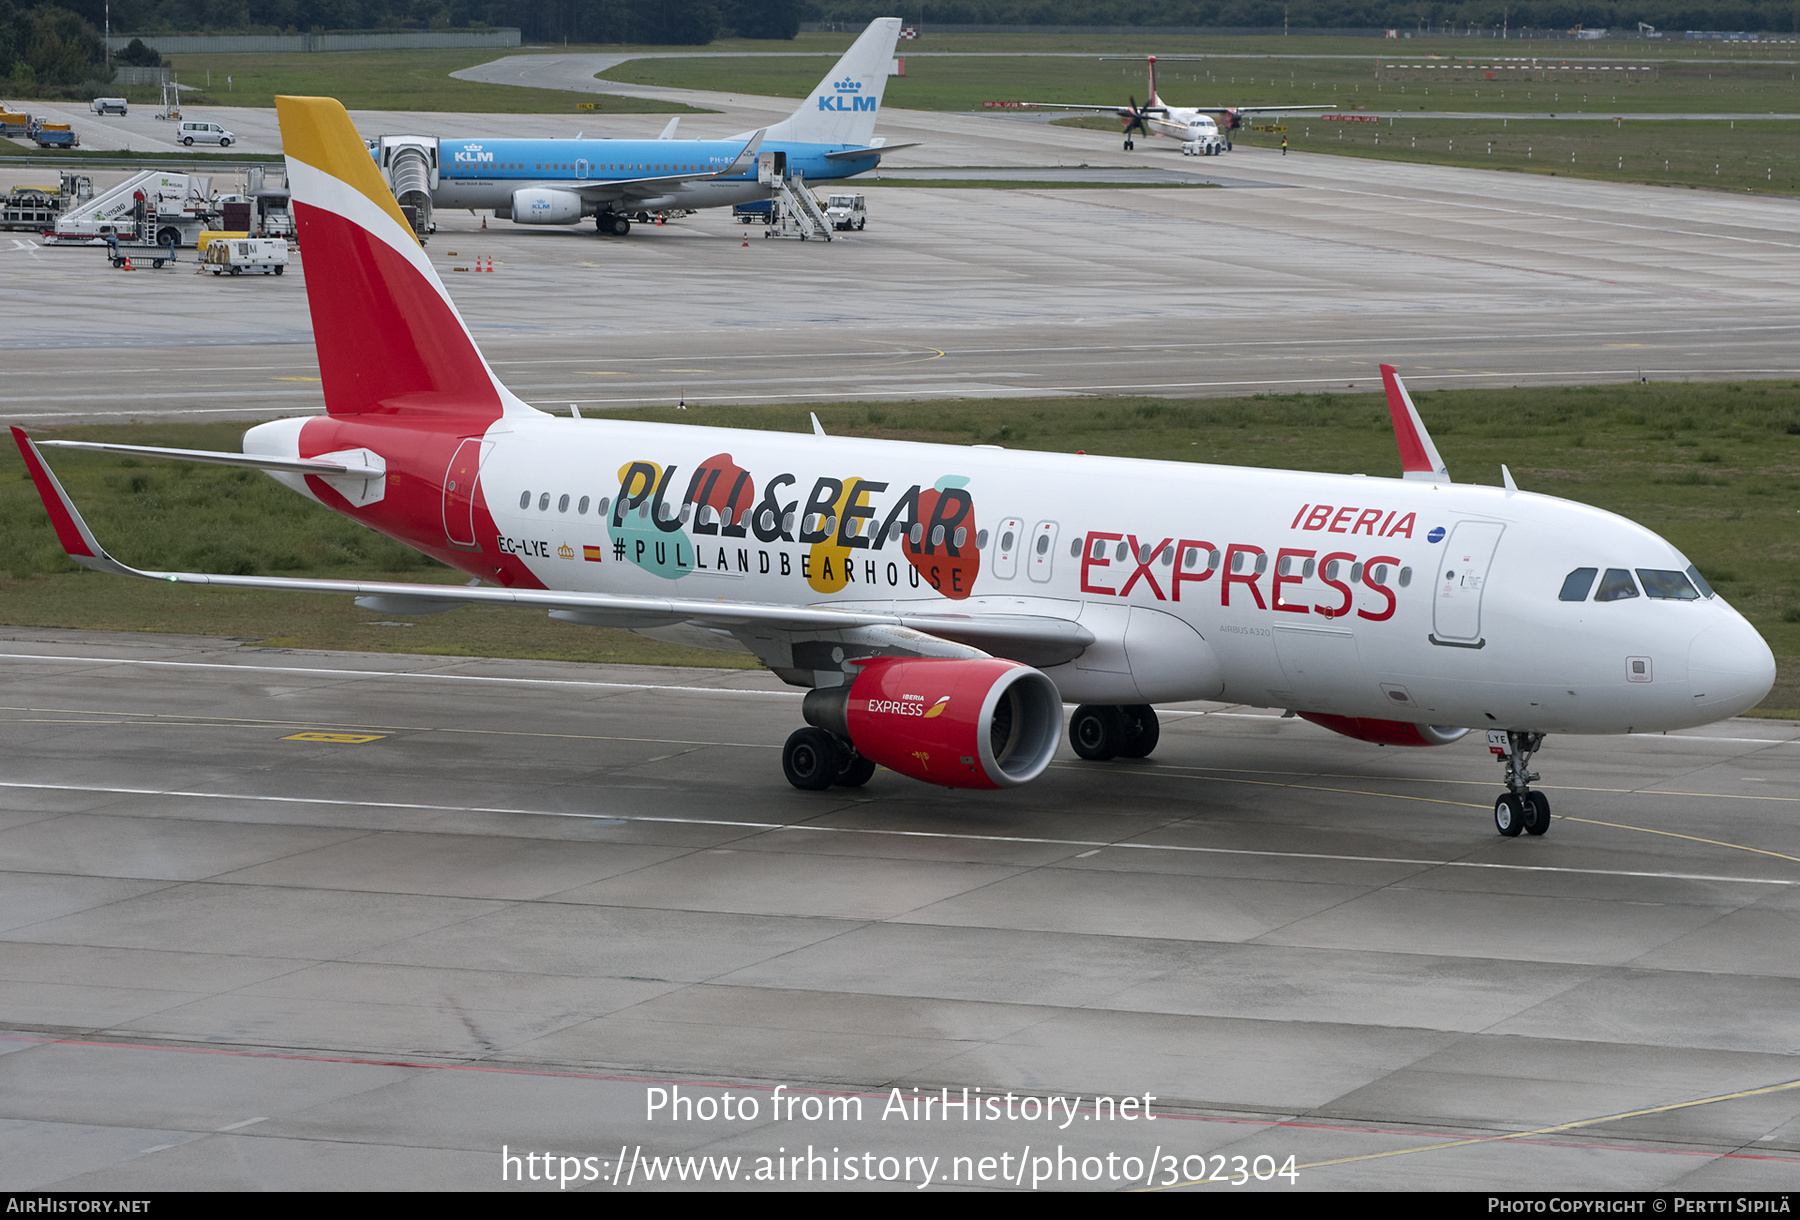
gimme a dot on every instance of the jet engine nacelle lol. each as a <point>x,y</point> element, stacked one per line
<point>982,723</point>
<point>540,206</point>
<point>1386,732</point>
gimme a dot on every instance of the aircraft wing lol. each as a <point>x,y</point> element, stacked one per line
<point>1256,109</point>
<point>1123,112</point>
<point>646,188</point>
<point>1047,639</point>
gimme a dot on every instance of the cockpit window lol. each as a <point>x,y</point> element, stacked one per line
<point>1699,580</point>
<point>1673,586</point>
<point>1577,583</point>
<point>1616,585</point>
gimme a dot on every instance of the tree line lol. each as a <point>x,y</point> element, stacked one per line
<point>59,43</point>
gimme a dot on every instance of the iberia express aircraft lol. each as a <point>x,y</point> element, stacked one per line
<point>943,603</point>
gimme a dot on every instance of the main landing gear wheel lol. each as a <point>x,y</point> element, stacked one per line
<point>1141,731</point>
<point>1509,814</point>
<point>855,770</point>
<point>1098,731</point>
<point>811,759</point>
<point>1537,813</point>
<point>612,222</point>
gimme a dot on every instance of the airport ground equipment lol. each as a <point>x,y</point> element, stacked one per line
<point>150,207</point>
<point>14,123</point>
<point>846,212</point>
<point>236,255</point>
<point>410,165</point>
<point>53,135</point>
<point>31,209</point>
<point>108,105</point>
<point>125,256</point>
<point>797,212</point>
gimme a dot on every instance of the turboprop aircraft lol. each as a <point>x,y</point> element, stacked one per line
<point>942,603</point>
<point>1196,128</point>
<point>559,182</point>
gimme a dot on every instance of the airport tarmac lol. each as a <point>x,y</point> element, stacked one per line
<point>1302,275</point>
<point>305,920</point>
<point>302,920</point>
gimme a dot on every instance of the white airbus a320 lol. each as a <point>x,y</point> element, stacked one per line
<point>942,603</point>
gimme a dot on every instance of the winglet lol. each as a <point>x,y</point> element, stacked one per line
<point>1418,456</point>
<point>76,538</point>
<point>750,147</point>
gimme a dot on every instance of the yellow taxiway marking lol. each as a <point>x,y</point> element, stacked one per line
<point>1690,838</point>
<point>343,739</point>
<point>293,379</point>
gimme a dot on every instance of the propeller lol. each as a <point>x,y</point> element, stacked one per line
<point>1136,118</point>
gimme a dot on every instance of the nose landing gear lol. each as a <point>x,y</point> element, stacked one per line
<point>1519,809</point>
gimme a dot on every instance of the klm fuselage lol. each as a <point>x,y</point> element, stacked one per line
<point>485,173</point>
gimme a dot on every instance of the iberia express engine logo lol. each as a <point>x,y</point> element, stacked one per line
<point>842,532</point>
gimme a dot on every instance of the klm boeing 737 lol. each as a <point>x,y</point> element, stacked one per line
<point>561,182</point>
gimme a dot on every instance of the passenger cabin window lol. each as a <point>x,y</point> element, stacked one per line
<point>1669,586</point>
<point>1577,584</point>
<point>1616,585</point>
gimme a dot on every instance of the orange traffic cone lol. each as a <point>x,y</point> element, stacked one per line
<point>484,222</point>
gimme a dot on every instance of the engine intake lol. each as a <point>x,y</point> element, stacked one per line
<point>983,723</point>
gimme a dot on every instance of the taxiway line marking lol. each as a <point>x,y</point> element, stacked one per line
<point>803,827</point>
<point>1691,838</point>
<point>398,673</point>
<point>1560,1127</point>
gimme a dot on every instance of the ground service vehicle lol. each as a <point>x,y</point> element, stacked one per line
<point>942,603</point>
<point>236,255</point>
<point>193,132</point>
<point>108,105</point>
<point>846,212</point>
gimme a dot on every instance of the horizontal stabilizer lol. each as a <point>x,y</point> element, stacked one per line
<point>362,463</point>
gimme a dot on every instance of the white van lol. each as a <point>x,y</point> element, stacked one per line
<point>109,105</point>
<point>846,212</point>
<point>192,133</point>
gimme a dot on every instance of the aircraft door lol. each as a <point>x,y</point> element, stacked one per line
<point>459,493</point>
<point>1043,551</point>
<point>1463,571</point>
<point>1009,540</point>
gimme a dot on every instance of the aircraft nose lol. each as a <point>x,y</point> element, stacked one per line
<point>1730,668</point>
